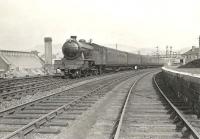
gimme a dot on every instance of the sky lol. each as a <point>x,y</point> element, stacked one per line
<point>135,25</point>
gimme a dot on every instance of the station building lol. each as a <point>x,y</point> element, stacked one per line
<point>19,62</point>
<point>191,54</point>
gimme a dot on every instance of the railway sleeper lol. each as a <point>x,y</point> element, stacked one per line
<point>146,111</point>
<point>42,130</point>
<point>66,117</point>
<point>61,99</point>
<point>57,101</point>
<point>147,121</point>
<point>152,128</point>
<point>153,135</point>
<point>90,99</point>
<point>57,123</point>
<point>81,105</point>
<point>88,102</point>
<point>32,112</point>
<point>150,107</point>
<point>53,122</point>
<point>49,104</point>
<point>40,108</point>
<point>22,116</point>
<point>72,113</point>
<point>147,117</point>
<point>74,94</point>
<point>78,109</point>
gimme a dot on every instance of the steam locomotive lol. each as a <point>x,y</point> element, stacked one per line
<point>83,58</point>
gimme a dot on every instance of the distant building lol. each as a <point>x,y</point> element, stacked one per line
<point>20,62</point>
<point>175,58</point>
<point>192,54</point>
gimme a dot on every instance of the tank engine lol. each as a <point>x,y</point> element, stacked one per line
<point>83,58</point>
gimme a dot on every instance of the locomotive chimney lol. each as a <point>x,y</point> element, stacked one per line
<point>73,37</point>
<point>48,50</point>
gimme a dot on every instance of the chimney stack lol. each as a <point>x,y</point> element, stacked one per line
<point>48,50</point>
<point>193,48</point>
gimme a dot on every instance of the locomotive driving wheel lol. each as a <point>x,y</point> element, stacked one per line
<point>95,72</point>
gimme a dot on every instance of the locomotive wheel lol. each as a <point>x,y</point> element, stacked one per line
<point>79,74</point>
<point>85,73</point>
<point>95,72</point>
<point>100,70</point>
<point>90,73</point>
<point>72,76</point>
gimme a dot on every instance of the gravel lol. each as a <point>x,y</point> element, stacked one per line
<point>7,104</point>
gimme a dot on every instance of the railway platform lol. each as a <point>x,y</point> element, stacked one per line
<point>194,71</point>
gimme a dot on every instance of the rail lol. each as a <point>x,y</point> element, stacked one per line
<point>21,132</point>
<point>190,128</point>
<point>117,127</point>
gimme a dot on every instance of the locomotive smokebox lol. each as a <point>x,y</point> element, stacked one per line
<point>71,49</point>
<point>48,50</point>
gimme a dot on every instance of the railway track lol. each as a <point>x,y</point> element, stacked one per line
<point>179,102</point>
<point>30,86</point>
<point>148,114</point>
<point>16,91</point>
<point>15,81</point>
<point>15,84</point>
<point>56,110</point>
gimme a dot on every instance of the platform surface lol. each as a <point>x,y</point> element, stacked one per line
<point>195,71</point>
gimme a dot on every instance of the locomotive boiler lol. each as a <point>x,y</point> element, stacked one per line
<point>83,58</point>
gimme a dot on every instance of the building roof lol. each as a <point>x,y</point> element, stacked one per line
<point>193,51</point>
<point>20,59</point>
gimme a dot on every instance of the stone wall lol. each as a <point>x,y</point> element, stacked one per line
<point>186,87</point>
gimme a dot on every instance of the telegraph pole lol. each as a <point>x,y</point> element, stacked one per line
<point>116,46</point>
<point>170,51</point>
<point>157,52</point>
<point>199,46</point>
<point>166,51</point>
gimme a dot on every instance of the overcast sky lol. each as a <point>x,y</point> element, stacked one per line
<point>133,24</point>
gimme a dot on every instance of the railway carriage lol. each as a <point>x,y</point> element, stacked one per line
<point>82,58</point>
<point>133,59</point>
